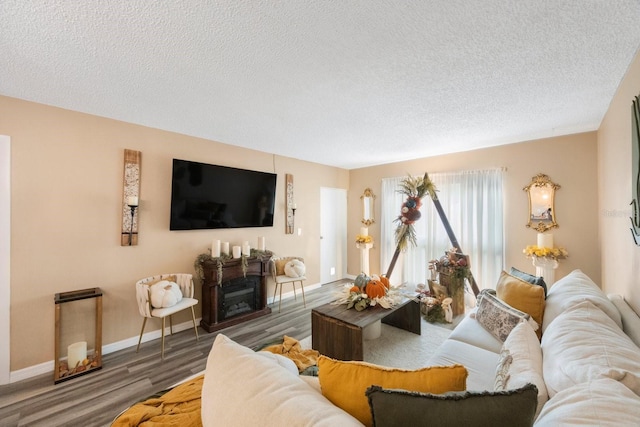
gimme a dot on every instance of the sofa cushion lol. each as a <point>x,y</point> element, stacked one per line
<point>583,344</point>
<point>470,331</point>
<point>521,363</point>
<point>242,387</point>
<point>630,320</point>
<point>480,363</point>
<point>344,382</point>
<point>470,409</point>
<point>604,403</point>
<point>534,280</point>
<point>523,296</point>
<point>572,289</point>
<point>496,316</point>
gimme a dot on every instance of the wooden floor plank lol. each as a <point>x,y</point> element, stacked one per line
<point>126,377</point>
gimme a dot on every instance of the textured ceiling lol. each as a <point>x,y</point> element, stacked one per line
<point>338,82</point>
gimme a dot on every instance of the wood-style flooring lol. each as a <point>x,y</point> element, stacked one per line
<point>127,377</point>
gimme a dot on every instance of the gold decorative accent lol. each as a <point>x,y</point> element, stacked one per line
<point>368,202</point>
<point>542,209</point>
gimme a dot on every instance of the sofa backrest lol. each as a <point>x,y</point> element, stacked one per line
<point>630,319</point>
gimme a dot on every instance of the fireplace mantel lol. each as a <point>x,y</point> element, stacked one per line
<point>232,273</point>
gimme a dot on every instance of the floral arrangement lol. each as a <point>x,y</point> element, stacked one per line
<point>414,188</point>
<point>368,292</point>
<point>436,310</point>
<point>453,263</point>
<point>202,258</point>
<point>360,239</point>
<point>533,251</point>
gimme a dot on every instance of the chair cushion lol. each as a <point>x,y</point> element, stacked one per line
<point>184,303</point>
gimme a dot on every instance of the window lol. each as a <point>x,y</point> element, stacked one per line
<point>472,202</point>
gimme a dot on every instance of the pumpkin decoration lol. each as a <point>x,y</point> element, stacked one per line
<point>385,282</point>
<point>375,288</point>
<point>362,280</point>
<point>354,288</point>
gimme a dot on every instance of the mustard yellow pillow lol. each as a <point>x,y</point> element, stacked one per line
<point>280,263</point>
<point>345,383</point>
<point>523,296</point>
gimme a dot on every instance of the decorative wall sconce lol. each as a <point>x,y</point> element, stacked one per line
<point>130,198</point>
<point>290,205</point>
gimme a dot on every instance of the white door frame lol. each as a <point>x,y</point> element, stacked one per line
<point>333,229</point>
<point>5,259</point>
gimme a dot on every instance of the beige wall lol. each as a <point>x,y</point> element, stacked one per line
<point>569,161</point>
<point>620,256</point>
<point>67,187</point>
<point>65,216</point>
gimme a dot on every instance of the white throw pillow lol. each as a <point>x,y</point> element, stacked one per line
<point>603,403</point>
<point>244,388</point>
<point>521,363</point>
<point>165,294</point>
<point>294,268</point>
<point>583,344</point>
<point>573,289</point>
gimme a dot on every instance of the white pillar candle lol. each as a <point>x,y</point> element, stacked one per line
<point>364,231</point>
<point>132,201</point>
<point>236,251</point>
<point>225,248</point>
<point>246,249</point>
<point>262,245</point>
<point>76,353</point>
<point>545,240</point>
<point>215,248</point>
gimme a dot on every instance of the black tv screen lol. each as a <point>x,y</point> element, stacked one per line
<point>205,196</point>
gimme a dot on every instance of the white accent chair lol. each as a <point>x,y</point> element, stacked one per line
<point>143,294</point>
<point>280,278</point>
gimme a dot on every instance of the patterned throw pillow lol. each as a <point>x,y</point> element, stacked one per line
<point>498,317</point>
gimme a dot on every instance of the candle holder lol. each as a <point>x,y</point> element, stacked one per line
<point>133,212</point>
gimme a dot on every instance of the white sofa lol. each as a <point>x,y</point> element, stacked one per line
<point>586,368</point>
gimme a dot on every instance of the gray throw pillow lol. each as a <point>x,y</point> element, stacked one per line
<point>534,280</point>
<point>513,408</point>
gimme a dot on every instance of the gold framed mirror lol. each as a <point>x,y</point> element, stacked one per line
<point>368,199</point>
<point>542,209</point>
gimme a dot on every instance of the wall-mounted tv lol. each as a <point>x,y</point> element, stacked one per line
<point>205,196</point>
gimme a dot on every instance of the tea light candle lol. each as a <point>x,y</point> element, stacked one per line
<point>76,353</point>
<point>236,251</point>
<point>225,248</point>
<point>246,249</point>
<point>262,244</point>
<point>215,248</point>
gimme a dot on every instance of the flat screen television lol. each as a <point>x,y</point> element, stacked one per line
<point>205,196</point>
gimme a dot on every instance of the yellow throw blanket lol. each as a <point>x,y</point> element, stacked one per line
<point>178,407</point>
<point>291,348</point>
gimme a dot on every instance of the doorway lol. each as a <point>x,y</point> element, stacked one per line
<point>333,234</point>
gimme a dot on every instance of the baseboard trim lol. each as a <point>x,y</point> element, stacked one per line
<point>47,367</point>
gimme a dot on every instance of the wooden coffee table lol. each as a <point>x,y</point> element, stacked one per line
<point>337,331</point>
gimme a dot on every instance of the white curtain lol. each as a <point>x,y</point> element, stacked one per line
<point>473,204</point>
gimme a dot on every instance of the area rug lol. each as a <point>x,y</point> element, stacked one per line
<point>402,349</point>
